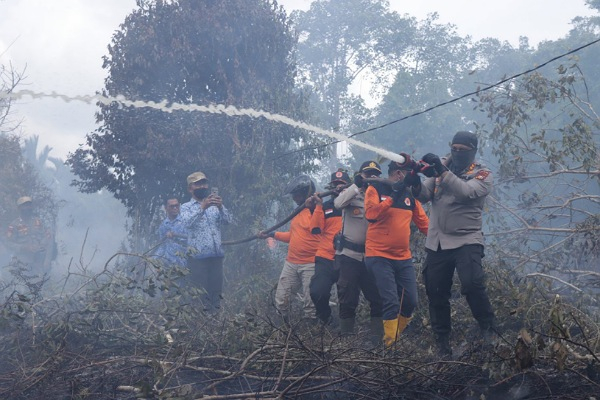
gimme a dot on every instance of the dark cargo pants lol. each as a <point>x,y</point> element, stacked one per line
<point>438,274</point>
<point>320,287</point>
<point>354,278</point>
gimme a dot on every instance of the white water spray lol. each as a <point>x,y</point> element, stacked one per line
<point>212,108</point>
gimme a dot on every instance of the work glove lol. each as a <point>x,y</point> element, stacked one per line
<point>412,179</point>
<point>359,180</point>
<point>399,187</point>
<point>398,190</point>
<point>433,165</point>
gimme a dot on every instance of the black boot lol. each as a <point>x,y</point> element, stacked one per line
<point>442,343</point>
<point>346,326</point>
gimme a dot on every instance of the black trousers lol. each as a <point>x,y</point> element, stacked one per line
<point>320,286</point>
<point>438,274</point>
<point>207,274</point>
<point>354,278</point>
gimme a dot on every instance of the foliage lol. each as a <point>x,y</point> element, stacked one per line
<point>431,72</point>
<point>19,178</point>
<point>341,43</point>
<point>545,136</point>
<point>232,52</point>
<point>93,218</point>
<point>133,332</point>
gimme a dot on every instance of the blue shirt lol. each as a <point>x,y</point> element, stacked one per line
<point>172,250</point>
<point>204,228</point>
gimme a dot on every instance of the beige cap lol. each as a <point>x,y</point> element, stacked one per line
<point>23,200</point>
<point>195,177</point>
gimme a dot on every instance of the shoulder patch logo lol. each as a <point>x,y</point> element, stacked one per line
<point>481,175</point>
<point>356,211</point>
<point>407,201</point>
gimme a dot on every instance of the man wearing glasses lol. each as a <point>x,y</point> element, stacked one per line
<point>457,188</point>
<point>172,235</point>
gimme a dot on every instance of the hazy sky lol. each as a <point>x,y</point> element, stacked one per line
<point>60,43</point>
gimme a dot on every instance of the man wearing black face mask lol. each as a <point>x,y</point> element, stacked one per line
<point>28,239</point>
<point>203,216</point>
<point>457,188</point>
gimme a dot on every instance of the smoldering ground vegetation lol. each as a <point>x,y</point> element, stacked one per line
<point>130,331</point>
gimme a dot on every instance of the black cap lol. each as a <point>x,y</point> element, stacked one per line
<point>466,138</point>
<point>370,166</point>
<point>340,177</point>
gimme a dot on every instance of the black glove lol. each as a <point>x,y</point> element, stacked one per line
<point>433,167</point>
<point>399,187</point>
<point>398,190</point>
<point>359,180</point>
<point>412,179</point>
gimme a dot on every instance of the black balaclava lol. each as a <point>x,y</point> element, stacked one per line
<point>462,159</point>
<point>201,193</point>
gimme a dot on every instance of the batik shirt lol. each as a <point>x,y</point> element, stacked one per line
<point>204,228</point>
<point>172,250</point>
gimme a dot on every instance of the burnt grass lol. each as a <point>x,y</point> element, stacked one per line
<point>114,336</point>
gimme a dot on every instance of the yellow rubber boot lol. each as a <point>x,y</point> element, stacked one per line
<point>390,331</point>
<point>402,324</point>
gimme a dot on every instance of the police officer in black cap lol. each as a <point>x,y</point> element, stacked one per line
<point>457,187</point>
<point>350,255</point>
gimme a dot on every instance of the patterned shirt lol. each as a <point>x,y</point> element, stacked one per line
<point>172,250</point>
<point>204,228</point>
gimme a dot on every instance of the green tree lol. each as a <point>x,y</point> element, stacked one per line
<point>439,66</point>
<point>546,139</point>
<point>430,73</point>
<point>341,42</point>
<point>232,52</point>
<point>94,219</point>
<point>19,178</point>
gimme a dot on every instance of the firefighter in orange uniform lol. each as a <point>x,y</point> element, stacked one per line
<point>390,210</point>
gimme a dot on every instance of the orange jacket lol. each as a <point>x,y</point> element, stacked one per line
<point>326,221</point>
<point>388,234</point>
<point>302,243</point>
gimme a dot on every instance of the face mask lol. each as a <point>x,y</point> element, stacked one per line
<point>462,159</point>
<point>26,213</point>
<point>201,193</point>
